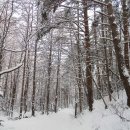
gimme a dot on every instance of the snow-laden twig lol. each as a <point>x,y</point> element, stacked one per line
<point>102,13</point>
<point>14,50</point>
<point>106,38</point>
<point>11,69</point>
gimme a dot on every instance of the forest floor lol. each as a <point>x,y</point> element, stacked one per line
<point>116,117</point>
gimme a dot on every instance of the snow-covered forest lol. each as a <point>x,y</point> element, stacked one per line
<point>64,64</point>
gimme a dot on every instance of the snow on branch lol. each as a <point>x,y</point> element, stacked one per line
<point>126,42</point>
<point>106,38</point>
<point>44,30</point>
<point>105,24</point>
<point>102,13</point>
<point>11,69</point>
<point>126,74</point>
<point>13,50</point>
<point>99,2</point>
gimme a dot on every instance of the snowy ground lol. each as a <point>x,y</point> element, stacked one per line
<point>99,119</point>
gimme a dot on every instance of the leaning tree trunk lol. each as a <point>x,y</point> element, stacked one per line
<point>118,51</point>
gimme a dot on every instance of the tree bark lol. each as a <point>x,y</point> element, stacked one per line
<point>34,79</point>
<point>118,51</point>
<point>126,33</point>
<point>49,78</point>
<point>58,75</point>
<point>88,60</point>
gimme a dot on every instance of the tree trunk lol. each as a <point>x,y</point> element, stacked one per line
<point>34,79</point>
<point>79,75</point>
<point>58,75</point>
<point>6,81</point>
<point>118,51</point>
<point>23,83</point>
<point>88,60</point>
<point>126,33</point>
<point>14,87</point>
<point>26,87</point>
<point>49,78</point>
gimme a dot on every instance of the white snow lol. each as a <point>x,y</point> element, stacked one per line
<point>99,119</point>
<point>126,73</point>
<point>1,93</point>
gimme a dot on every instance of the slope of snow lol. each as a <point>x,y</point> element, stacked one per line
<point>99,119</point>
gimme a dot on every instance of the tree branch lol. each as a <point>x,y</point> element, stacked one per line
<point>11,69</point>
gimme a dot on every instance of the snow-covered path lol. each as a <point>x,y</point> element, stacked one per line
<point>99,119</point>
<point>65,120</point>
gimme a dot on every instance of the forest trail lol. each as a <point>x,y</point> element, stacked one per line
<point>99,119</point>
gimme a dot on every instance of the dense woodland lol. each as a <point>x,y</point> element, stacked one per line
<point>62,53</point>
